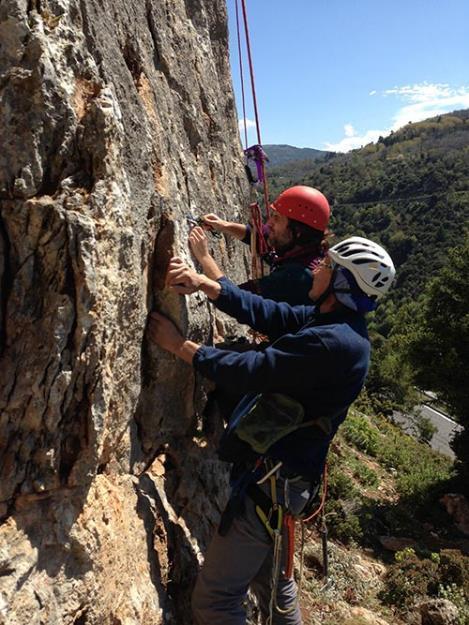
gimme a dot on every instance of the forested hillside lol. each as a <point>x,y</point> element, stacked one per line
<point>409,190</point>
<point>283,154</point>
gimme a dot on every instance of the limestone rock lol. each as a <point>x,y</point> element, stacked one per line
<point>439,612</point>
<point>117,119</point>
<point>397,543</point>
<point>356,615</point>
<point>365,617</point>
<point>368,569</point>
<point>457,506</point>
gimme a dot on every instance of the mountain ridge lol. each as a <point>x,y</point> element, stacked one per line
<point>409,191</point>
<point>282,153</point>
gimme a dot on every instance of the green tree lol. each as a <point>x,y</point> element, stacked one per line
<point>425,429</point>
<point>437,343</point>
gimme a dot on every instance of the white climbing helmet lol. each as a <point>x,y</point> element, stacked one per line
<point>370,264</point>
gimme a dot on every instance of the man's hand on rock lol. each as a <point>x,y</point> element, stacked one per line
<point>182,278</point>
<point>199,244</point>
<point>164,333</point>
<point>214,222</point>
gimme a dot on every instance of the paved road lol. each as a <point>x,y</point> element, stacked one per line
<point>446,427</point>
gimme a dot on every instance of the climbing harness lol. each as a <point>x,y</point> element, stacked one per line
<point>279,523</point>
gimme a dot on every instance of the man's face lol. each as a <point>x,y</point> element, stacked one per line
<point>280,235</point>
<point>322,276</point>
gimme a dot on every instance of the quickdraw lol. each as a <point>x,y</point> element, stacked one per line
<point>198,221</point>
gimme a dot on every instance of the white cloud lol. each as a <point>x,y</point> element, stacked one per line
<point>351,142</point>
<point>427,100</point>
<point>420,101</point>
<point>249,124</point>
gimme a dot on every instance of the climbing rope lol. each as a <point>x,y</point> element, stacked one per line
<point>241,74</point>
<point>256,153</point>
<point>254,101</point>
<point>323,530</point>
<point>323,498</point>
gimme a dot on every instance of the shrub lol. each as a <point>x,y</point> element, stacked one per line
<point>361,433</point>
<point>364,474</point>
<point>456,595</point>
<point>454,569</point>
<point>445,575</point>
<point>342,524</point>
<point>425,429</point>
<point>409,580</point>
<point>419,469</point>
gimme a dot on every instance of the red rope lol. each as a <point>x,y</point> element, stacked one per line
<point>251,71</point>
<point>323,498</point>
<point>241,72</point>
<point>254,99</point>
<point>290,531</point>
<point>256,240</point>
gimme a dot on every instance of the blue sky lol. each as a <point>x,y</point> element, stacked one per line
<point>336,74</point>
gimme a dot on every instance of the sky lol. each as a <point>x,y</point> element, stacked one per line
<point>337,74</point>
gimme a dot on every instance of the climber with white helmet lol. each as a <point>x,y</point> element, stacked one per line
<point>296,233</point>
<point>301,386</point>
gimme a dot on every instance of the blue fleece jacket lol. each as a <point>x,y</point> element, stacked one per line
<point>321,360</point>
<point>290,276</point>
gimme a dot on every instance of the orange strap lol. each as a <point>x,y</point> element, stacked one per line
<point>323,498</point>
<point>289,524</point>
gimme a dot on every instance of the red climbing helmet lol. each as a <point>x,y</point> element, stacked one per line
<point>304,204</point>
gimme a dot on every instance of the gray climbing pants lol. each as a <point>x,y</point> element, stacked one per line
<point>241,559</point>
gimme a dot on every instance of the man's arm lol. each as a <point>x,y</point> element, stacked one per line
<point>199,246</point>
<point>266,316</point>
<point>238,231</point>
<point>164,333</point>
<point>287,369</point>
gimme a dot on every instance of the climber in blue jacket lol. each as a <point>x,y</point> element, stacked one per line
<point>319,358</point>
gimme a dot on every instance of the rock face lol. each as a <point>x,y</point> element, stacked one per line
<point>457,506</point>
<point>116,120</point>
<point>439,612</point>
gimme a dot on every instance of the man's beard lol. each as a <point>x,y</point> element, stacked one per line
<point>281,247</point>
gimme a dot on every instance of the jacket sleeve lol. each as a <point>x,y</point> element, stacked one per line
<point>264,315</point>
<point>289,283</point>
<point>280,369</point>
